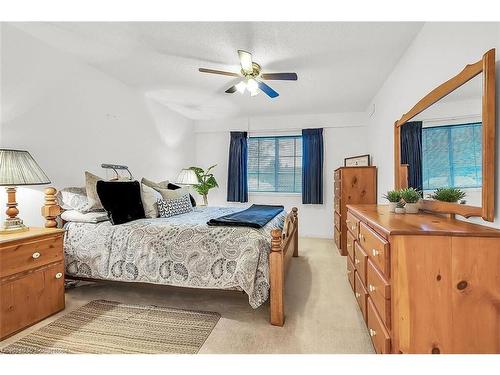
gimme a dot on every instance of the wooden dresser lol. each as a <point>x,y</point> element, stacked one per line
<point>352,185</point>
<point>425,283</point>
<point>31,278</point>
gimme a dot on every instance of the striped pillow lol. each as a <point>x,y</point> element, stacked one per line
<point>174,206</point>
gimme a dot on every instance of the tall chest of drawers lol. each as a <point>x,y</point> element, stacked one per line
<point>425,283</point>
<point>352,185</point>
<point>31,278</point>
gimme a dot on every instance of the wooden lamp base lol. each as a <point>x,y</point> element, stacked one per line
<point>12,224</point>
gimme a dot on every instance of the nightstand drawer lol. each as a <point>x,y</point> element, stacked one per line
<point>27,300</point>
<point>30,255</point>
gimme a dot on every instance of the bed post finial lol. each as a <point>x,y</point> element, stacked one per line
<point>277,236</point>
<point>50,209</point>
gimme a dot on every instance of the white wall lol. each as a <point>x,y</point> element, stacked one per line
<point>344,135</point>
<point>439,51</point>
<point>71,118</point>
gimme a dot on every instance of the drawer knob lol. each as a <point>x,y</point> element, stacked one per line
<point>58,275</point>
<point>356,261</point>
<point>36,255</point>
<point>375,252</point>
<point>371,288</point>
<point>357,295</point>
<point>353,227</point>
<point>361,237</point>
<point>372,332</point>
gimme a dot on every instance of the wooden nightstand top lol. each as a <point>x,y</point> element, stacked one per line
<point>33,232</point>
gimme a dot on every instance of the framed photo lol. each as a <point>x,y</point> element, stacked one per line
<point>357,161</point>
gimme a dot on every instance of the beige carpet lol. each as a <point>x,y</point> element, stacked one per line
<point>105,327</point>
<point>322,315</point>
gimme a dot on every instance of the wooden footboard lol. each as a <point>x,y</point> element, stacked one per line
<point>284,244</point>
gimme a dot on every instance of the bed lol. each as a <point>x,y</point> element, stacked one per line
<point>183,251</point>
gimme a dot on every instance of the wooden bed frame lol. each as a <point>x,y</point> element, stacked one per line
<point>284,245</point>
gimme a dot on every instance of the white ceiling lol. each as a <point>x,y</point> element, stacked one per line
<point>340,65</point>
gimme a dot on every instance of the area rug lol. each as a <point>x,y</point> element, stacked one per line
<point>105,327</point>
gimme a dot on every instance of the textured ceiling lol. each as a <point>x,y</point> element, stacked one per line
<point>340,65</point>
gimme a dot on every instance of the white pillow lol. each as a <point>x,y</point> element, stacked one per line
<point>149,201</point>
<point>73,198</point>
<point>173,194</point>
<point>79,217</point>
<point>94,203</point>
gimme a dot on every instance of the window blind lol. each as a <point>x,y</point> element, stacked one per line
<point>275,164</point>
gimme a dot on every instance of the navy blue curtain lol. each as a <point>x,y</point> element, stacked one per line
<point>312,166</point>
<point>411,152</point>
<point>237,184</point>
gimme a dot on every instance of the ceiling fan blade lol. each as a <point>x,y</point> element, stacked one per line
<point>231,90</point>
<point>246,61</point>
<point>212,71</point>
<point>268,90</point>
<point>280,76</point>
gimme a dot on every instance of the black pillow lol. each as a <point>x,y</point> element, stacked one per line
<point>175,187</point>
<point>121,199</point>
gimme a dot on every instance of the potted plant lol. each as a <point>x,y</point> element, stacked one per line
<point>393,196</point>
<point>400,207</point>
<point>206,181</point>
<point>411,197</point>
<point>448,194</point>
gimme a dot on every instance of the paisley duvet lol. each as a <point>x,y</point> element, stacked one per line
<point>181,251</point>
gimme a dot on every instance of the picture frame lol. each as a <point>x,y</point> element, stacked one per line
<point>357,161</point>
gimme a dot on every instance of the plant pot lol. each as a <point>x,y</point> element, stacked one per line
<point>412,208</point>
<point>392,206</point>
<point>399,210</point>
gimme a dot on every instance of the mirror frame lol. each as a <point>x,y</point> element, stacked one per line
<point>487,210</point>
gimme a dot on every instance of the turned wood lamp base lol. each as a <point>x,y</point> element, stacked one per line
<point>12,224</point>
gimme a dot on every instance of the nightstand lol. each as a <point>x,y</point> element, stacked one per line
<point>31,278</point>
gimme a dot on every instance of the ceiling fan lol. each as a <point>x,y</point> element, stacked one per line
<point>252,77</point>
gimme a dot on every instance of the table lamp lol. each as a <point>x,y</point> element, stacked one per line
<point>187,177</point>
<point>17,168</point>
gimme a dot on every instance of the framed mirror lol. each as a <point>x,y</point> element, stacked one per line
<point>447,140</point>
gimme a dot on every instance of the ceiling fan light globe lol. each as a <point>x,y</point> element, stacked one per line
<point>252,85</point>
<point>241,87</point>
<point>254,93</point>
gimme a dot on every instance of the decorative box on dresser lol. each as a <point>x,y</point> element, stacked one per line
<point>425,283</point>
<point>352,185</point>
<point>31,278</point>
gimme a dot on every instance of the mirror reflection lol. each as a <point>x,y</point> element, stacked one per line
<point>443,147</point>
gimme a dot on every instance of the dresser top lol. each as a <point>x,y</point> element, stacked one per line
<point>31,233</point>
<point>390,223</point>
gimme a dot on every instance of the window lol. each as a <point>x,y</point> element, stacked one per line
<point>451,156</point>
<point>275,164</point>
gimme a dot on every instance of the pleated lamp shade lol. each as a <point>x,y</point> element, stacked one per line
<point>187,177</point>
<point>17,168</point>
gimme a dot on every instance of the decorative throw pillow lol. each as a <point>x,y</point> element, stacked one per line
<point>73,198</point>
<point>176,206</point>
<point>121,199</point>
<point>175,187</point>
<point>173,194</point>
<point>149,198</point>
<point>94,202</point>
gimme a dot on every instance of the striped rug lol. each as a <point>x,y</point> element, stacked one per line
<point>105,327</point>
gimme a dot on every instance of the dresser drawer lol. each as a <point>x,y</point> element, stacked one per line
<point>336,237</point>
<point>361,294</point>
<point>352,224</point>
<point>350,273</point>
<point>379,290</point>
<point>29,255</point>
<point>336,220</point>
<point>378,333</point>
<point>350,245</point>
<point>376,247</point>
<point>31,298</point>
<point>336,204</point>
<point>360,261</point>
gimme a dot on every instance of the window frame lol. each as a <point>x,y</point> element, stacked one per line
<point>450,153</point>
<point>276,165</point>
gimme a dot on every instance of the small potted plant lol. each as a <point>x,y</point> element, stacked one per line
<point>411,197</point>
<point>206,181</point>
<point>393,196</point>
<point>448,194</point>
<point>400,207</point>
